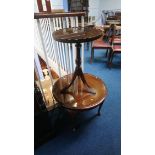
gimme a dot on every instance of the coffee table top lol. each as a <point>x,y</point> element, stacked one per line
<point>80,100</point>
<point>77,34</point>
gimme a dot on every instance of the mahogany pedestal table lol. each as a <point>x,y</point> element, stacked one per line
<point>79,91</point>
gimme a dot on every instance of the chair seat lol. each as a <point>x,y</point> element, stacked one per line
<point>117,42</point>
<point>100,43</point>
<point>117,39</point>
<point>116,48</point>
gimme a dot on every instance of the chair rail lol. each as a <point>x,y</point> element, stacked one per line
<point>54,15</point>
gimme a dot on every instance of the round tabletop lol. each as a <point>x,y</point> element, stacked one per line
<point>77,34</point>
<point>80,100</point>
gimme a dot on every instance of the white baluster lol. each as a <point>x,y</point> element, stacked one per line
<point>66,49</point>
<point>69,48</point>
<point>73,45</point>
<point>82,53</point>
<point>44,49</point>
<point>62,48</point>
<point>76,21</point>
<point>67,22</point>
<point>50,42</point>
<point>51,51</point>
<point>52,26</point>
<point>46,38</point>
<point>57,44</point>
<point>47,41</point>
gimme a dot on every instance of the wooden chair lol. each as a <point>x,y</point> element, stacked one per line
<point>116,49</point>
<point>118,14</point>
<point>117,40</point>
<point>99,44</point>
<point>102,43</point>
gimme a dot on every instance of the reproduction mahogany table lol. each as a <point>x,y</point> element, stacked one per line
<point>79,91</point>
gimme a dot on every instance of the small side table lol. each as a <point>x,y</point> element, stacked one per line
<point>91,91</point>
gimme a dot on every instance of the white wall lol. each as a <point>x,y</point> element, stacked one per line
<point>57,4</point>
<point>94,9</point>
<point>110,4</point>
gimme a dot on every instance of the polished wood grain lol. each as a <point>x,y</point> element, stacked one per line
<point>80,99</point>
<point>77,34</point>
<point>54,15</point>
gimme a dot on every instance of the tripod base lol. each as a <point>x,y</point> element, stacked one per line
<point>78,73</point>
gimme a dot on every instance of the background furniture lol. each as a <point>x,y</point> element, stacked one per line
<point>116,48</point>
<point>108,15</point>
<point>99,44</point>
<point>103,42</point>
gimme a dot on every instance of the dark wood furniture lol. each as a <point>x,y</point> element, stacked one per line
<point>113,16</point>
<point>116,49</point>
<point>99,44</point>
<point>55,15</point>
<point>79,91</point>
<point>80,99</point>
<point>103,42</point>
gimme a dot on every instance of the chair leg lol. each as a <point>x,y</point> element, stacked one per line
<point>92,55</point>
<point>110,63</point>
<point>107,50</point>
<point>109,56</point>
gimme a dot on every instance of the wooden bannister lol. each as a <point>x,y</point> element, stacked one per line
<point>54,15</point>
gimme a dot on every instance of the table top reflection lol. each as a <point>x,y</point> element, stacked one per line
<point>77,34</point>
<point>80,100</point>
